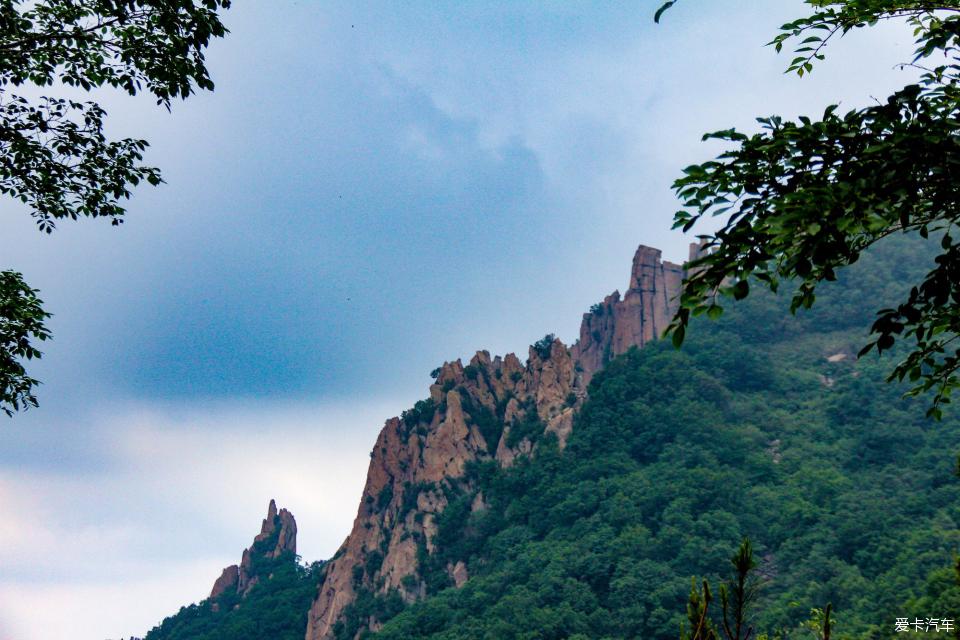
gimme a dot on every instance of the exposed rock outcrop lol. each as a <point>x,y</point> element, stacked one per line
<point>421,452</point>
<point>641,315</point>
<point>228,580</point>
<point>278,536</point>
<point>491,409</point>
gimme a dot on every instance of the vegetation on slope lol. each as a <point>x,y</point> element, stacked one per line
<point>757,427</point>
<point>275,608</point>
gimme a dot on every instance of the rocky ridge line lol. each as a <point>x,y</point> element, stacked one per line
<point>490,409</point>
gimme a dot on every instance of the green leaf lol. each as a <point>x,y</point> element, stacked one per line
<point>678,335</point>
<point>741,290</point>
<point>662,9</point>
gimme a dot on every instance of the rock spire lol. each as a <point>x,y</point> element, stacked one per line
<point>278,536</point>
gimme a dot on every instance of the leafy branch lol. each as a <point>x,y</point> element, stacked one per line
<point>801,199</point>
<point>54,155</point>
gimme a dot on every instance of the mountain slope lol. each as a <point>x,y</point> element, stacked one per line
<point>493,410</point>
<point>763,425</point>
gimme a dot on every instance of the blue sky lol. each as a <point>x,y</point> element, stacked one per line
<point>372,189</point>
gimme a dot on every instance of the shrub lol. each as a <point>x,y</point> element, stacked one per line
<point>543,345</point>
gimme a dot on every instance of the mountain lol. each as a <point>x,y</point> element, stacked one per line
<point>575,495</point>
<point>491,410</point>
<point>277,538</point>
<point>764,425</point>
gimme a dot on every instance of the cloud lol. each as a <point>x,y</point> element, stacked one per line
<point>181,493</point>
<point>95,611</point>
<point>302,245</point>
<point>359,187</point>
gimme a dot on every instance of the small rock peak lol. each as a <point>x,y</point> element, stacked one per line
<point>558,349</point>
<point>269,523</point>
<point>540,353</point>
<point>481,359</point>
<point>451,372</point>
<point>642,314</point>
<point>512,362</point>
<point>645,261</point>
<point>241,578</point>
<point>287,540</point>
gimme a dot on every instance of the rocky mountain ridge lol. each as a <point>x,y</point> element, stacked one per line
<point>492,409</point>
<point>278,536</point>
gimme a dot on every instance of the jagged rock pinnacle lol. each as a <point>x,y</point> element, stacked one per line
<point>241,578</point>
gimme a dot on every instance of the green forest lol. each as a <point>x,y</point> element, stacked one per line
<point>275,608</point>
<point>764,425</point>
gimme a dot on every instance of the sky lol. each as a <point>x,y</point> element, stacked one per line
<point>372,189</point>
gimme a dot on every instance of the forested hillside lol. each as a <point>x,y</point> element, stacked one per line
<point>275,607</point>
<point>763,425</point>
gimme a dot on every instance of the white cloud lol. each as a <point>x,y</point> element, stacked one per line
<point>95,610</point>
<point>180,494</point>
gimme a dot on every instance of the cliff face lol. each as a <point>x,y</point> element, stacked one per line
<point>641,315</point>
<point>490,409</point>
<point>278,535</point>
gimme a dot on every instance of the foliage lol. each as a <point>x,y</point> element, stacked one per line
<point>738,595</point>
<point>736,598</point>
<point>701,626</point>
<point>543,345</point>
<point>276,607</point>
<point>843,489</point>
<point>488,424</point>
<point>21,320</point>
<point>804,199</point>
<point>366,605</point>
<point>54,155</point>
<point>529,426</point>
<point>422,412</point>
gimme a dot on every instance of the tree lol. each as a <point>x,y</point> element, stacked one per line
<point>54,155</point>
<point>737,596</point>
<point>800,200</point>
